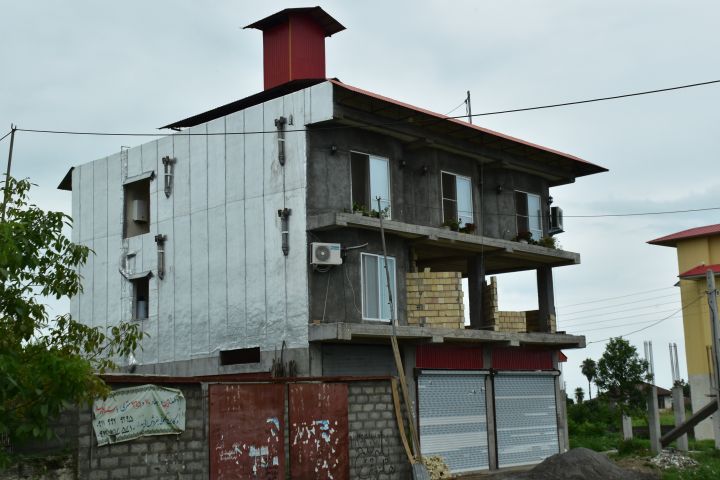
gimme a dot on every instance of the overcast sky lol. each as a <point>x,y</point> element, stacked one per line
<point>134,66</point>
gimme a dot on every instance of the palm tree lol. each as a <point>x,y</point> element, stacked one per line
<point>589,369</point>
<point>579,395</point>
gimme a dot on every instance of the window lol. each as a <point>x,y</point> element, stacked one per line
<point>141,296</point>
<point>240,356</point>
<point>370,179</point>
<point>375,302</point>
<point>529,214</point>
<point>137,206</point>
<point>457,198</point>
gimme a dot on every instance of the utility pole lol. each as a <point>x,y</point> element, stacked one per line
<point>468,107</point>
<point>712,294</point>
<point>653,414</point>
<point>6,196</point>
<point>678,398</point>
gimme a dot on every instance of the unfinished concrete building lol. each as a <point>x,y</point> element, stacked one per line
<point>251,238</point>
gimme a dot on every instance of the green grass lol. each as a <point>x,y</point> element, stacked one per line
<point>667,417</point>
<point>709,468</point>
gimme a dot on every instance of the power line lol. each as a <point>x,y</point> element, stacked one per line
<point>582,325</point>
<point>618,305</point>
<point>5,136</point>
<point>649,326</point>
<point>620,311</point>
<point>415,121</point>
<point>642,213</point>
<point>600,99</point>
<point>459,105</point>
<point>613,298</point>
<point>616,326</point>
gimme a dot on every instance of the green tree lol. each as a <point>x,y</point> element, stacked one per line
<point>620,373</point>
<point>46,364</point>
<point>579,395</point>
<point>589,369</point>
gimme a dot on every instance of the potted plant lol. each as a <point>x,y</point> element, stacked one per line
<point>523,237</point>
<point>359,209</point>
<point>452,224</point>
<point>549,242</point>
<point>468,228</point>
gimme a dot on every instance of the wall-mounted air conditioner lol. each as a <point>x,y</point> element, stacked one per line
<point>325,254</point>
<point>556,220</point>
<point>140,211</point>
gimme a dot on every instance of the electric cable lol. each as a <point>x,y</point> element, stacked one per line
<point>621,311</point>
<point>396,122</point>
<point>604,320</point>
<point>613,298</point>
<point>5,136</point>
<point>616,305</point>
<point>651,325</point>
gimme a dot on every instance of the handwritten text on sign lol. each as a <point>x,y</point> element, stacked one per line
<point>129,413</point>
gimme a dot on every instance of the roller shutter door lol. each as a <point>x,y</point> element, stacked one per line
<point>526,418</point>
<point>453,421</point>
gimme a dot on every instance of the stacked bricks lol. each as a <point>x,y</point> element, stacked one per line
<point>534,325</point>
<point>435,299</point>
<point>376,450</point>
<point>183,456</point>
<point>513,322</point>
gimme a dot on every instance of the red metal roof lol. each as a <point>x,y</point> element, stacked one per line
<point>699,271</point>
<point>671,240</point>
<point>460,122</point>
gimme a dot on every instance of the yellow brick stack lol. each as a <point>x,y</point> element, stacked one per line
<point>435,299</point>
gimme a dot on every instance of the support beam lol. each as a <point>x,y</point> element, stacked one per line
<point>698,417</point>
<point>546,297</point>
<point>476,283</point>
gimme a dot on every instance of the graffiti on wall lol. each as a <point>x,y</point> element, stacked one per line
<point>129,413</point>
<point>372,457</point>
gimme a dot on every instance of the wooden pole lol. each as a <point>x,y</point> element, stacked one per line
<point>6,198</point>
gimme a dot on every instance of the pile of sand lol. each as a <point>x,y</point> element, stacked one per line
<point>579,464</point>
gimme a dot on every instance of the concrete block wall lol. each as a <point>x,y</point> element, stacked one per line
<point>510,321</point>
<point>435,299</point>
<point>534,325</point>
<point>183,456</point>
<point>376,450</point>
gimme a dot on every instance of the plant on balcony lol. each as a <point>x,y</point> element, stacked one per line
<point>549,242</point>
<point>468,228</point>
<point>385,212</point>
<point>360,209</point>
<point>524,237</point>
<point>452,224</point>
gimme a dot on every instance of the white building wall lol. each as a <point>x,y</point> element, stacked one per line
<point>227,283</point>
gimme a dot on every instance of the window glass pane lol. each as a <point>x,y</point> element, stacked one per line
<point>521,203</point>
<point>464,200</point>
<point>448,186</point>
<point>449,210</point>
<point>534,215</point>
<point>379,183</point>
<point>384,301</point>
<point>359,178</point>
<point>370,286</point>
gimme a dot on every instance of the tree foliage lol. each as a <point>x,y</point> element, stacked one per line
<point>579,395</point>
<point>46,363</point>
<point>620,373</point>
<point>589,369</point>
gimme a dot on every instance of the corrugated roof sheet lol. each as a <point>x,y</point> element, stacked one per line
<point>329,25</point>
<point>700,271</point>
<point>671,240</point>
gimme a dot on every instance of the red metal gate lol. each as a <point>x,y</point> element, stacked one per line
<point>319,431</point>
<point>246,431</point>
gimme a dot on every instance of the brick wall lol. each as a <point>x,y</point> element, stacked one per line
<point>435,299</point>
<point>509,321</point>
<point>376,451</point>
<point>183,456</point>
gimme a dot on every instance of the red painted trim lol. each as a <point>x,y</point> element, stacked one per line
<point>515,358</point>
<point>449,357</point>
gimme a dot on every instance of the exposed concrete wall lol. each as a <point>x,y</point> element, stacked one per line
<point>183,456</point>
<point>699,397</point>
<point>435,299</point>
<point>227,283</point>
<point>416,192</point>
<point>342,286</point>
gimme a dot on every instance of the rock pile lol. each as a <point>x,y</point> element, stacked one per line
<point>673,459</point>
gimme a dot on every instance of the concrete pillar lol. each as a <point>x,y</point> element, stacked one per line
<point>653,420</point>
<point>476,282</point>
<point>627,427</point>
<point>700,396</point>
<point>679,409</point>
<point>492,439</point>
<point>546,297</point>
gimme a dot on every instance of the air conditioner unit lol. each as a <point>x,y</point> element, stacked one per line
<point>556,220</point>
<point>325,254</point>
<point>139,211</point>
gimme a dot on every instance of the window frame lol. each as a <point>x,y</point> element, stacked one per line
<point>443,198</point>
<point>368,185</point>
<point>381,280</point>
<point>527,206</point>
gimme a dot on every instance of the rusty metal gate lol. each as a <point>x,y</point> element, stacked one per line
<point>246,431</point>
<point>318,420</point>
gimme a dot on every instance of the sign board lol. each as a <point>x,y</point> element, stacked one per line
<point>129,413</point>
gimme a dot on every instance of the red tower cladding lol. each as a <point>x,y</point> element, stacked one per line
<point>294,44</point>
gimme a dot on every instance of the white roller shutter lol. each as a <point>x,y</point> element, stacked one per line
<point>453,419</point>
<point>526,418</point>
